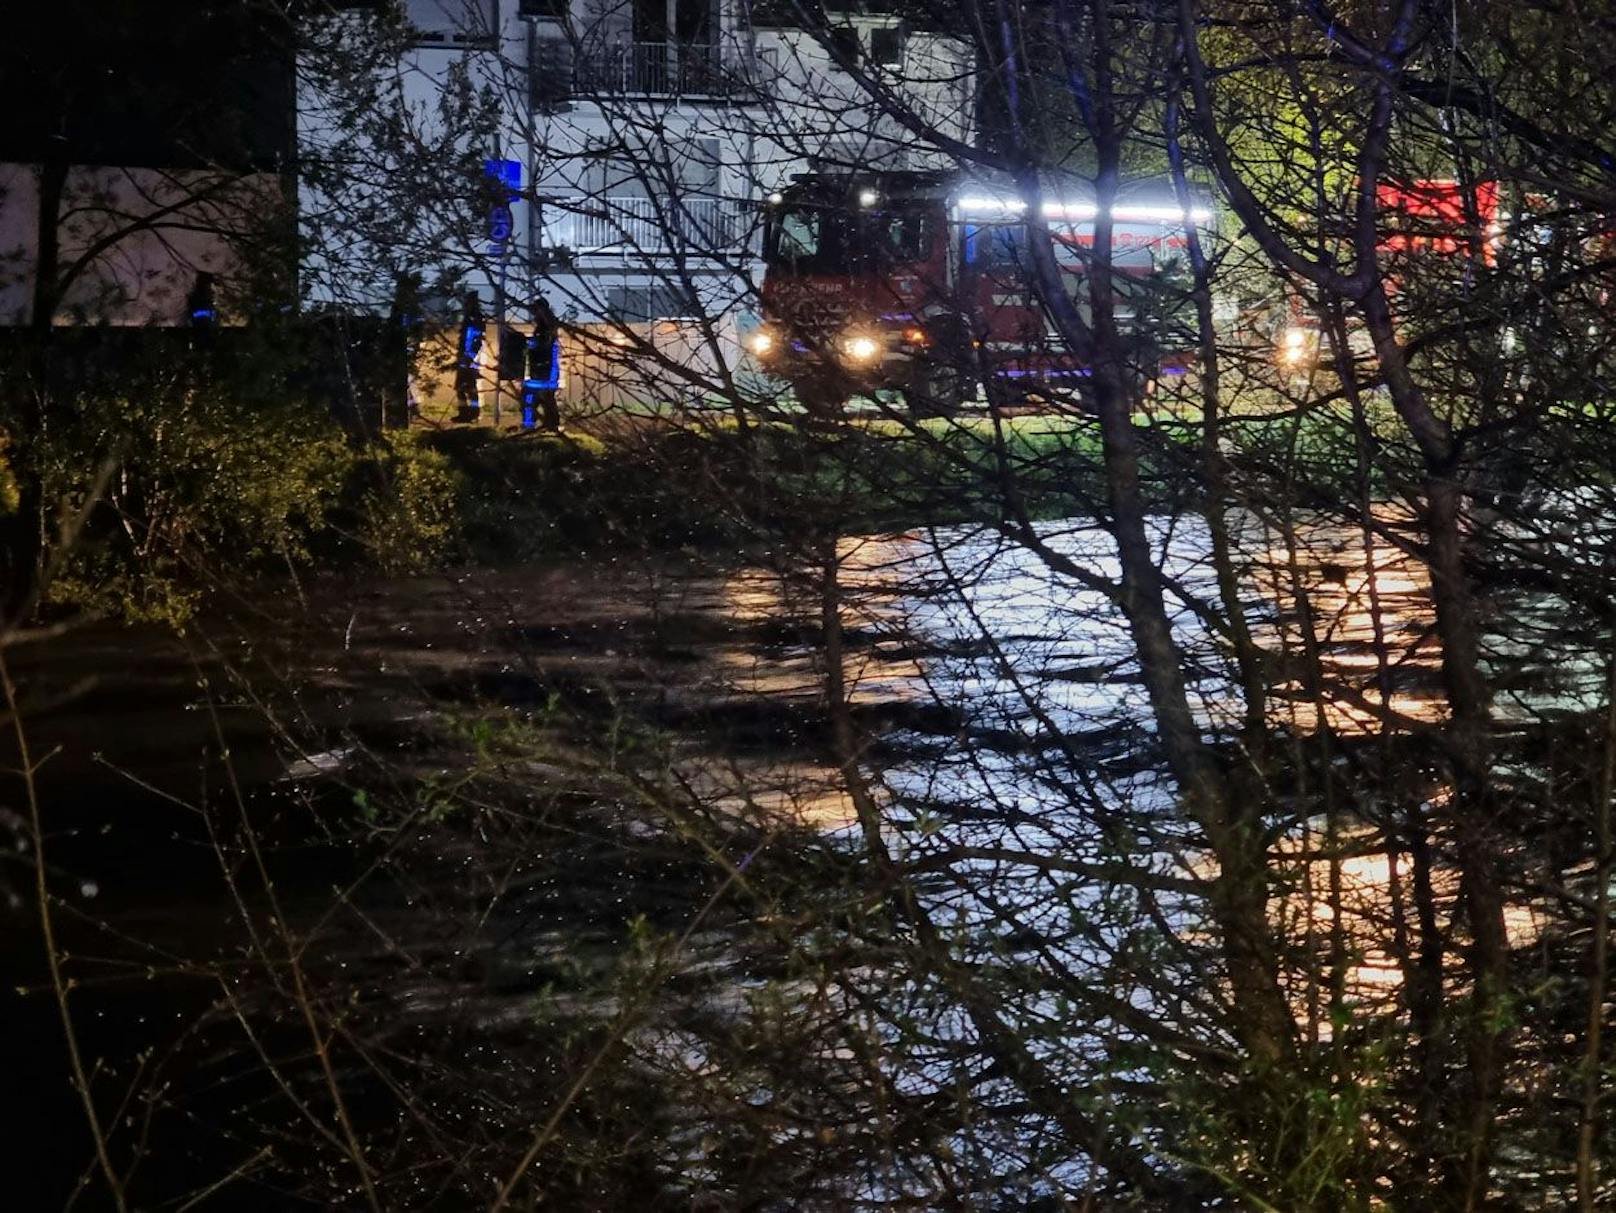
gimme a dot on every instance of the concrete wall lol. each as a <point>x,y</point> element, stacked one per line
<point>813,112</point>
<point>393,137</point>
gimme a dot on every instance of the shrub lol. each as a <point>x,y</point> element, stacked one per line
<point>408,504</point>
<point>10,490</point>
<point>199,473</point>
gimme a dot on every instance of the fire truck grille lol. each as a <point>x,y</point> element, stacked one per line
<point>818,319</point>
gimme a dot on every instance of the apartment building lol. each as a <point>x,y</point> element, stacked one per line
<point>637,138</point>
<point>659,125</point>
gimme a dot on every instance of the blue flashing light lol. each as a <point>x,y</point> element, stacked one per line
<point>500,224</point>
<point>507,172</point>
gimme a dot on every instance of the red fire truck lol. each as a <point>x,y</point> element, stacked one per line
<point>921,282</point>
<point>1427,223</point>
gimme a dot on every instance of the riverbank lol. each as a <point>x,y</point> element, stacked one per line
<point>467,797</point>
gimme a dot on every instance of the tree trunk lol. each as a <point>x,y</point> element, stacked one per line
<point>1473,808</point>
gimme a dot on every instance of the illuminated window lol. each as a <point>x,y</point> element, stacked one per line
<point>905,236</point>
<point>799,234</point>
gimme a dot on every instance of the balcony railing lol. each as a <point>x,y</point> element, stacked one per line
<point>643,69</point>
<point>632,225</point>
<point>656,69</point>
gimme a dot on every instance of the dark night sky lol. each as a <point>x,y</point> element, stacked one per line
<point>169,83</point>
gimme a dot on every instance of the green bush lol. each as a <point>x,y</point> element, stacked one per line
<point>10,490</point>
<point>199,477</point>
<point>409,500</point>
<point>541,496</point>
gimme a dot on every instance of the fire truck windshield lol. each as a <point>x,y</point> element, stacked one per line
<point>808,238</point>
<point>805,239</point>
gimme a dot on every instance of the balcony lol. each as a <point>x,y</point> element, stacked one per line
<point>634,226</point>
<point>562,70</point>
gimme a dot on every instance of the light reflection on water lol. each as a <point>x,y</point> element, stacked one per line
<point>1367,607</point>
<point>1040,667</point>
<point>1363,882</point>
<point>930,602</point>
<point>920,607</point>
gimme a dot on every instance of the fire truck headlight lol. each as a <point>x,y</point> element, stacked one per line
<point>761,342</point>
<point>1294,349</point>
<point>860,348</point>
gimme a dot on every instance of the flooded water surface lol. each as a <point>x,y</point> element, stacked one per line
<point>565,754</point>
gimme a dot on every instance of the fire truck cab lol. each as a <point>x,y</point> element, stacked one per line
<point>922,283</point>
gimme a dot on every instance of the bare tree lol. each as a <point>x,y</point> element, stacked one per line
<point>1152,738</point>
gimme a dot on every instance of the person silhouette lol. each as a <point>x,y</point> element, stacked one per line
<point>472,328</point>
<point>543,370</point>
<point>200,307</point>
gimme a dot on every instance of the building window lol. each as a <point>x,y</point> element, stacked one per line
<point>886,45</point>
<point>844,43</point>
<point>451,22</point>
<point>552,10</point>
<point>699,164</point>
<point>650,301</point>
<point>687,22</point>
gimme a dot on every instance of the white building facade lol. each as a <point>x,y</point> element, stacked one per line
<point>639,137</point>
